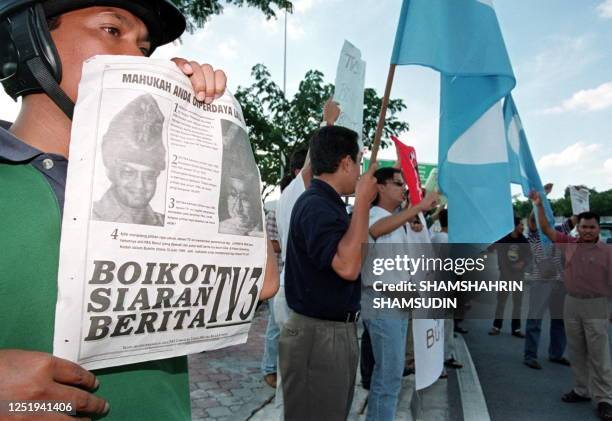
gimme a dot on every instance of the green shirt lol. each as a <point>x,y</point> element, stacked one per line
<point>29,252</point>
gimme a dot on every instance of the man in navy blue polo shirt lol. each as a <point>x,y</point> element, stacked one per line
<point>318,344</point>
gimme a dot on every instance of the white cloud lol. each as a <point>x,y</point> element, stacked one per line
<point>270,26</point>
<point>578,164</point>
<point>302,6</point>
<point>605,9</point>
<point>560,58</point>
<point>571,155</point>
<point>295,29</point>
<point>586,100</point>
<point>560,51</point>
<point>228,49</point>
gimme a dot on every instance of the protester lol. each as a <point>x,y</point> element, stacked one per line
<point>441,237</point>
<point>301,172</point>
<point>545,291</point>
<point>270,355</point>
<point>33,163</point>
<point>512,258</point>
<point>588,279</point>
<point>389,227</point>
<point>318,345</point>
<point>292,186</point>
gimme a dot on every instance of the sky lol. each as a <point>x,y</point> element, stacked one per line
<point>560,52</point>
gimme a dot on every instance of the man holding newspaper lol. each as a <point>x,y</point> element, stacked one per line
<point>50,41</point>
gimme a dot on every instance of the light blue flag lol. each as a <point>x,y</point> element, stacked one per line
<point>522,167</point>
<point>461,39</point>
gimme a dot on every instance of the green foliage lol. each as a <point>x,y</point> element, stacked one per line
<point>522,208</point>
<point>371,111</point>
<point>278,126</point>
<point>600,203</point>
<point>199,11</point>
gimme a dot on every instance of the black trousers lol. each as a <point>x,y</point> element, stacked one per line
<point>366,362</point>
<point>517,301</point>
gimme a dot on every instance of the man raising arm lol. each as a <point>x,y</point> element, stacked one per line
<point>324,252</point>
<point>33,162</point>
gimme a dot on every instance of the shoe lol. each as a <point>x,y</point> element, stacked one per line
<point>533,364</point>
<point>494,331</point>
<point>562,361</point>
<point>453,363</point>
<point>444,375</point>
<point>270,380</point>
<point>604,410</point>
<point>573,397</point>
<point>460,329</point>
<point>518,333</point>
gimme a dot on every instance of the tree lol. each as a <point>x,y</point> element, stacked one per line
<point>600,203</point>
<point>199,11</point>
<point>278,126</point>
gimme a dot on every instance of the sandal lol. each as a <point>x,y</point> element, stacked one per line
<point>453,363</point>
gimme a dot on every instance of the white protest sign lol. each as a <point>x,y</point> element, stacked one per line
<point>162,250</point>
<point>580,199</point>
<point>349,86</point>
<point>428,335</point>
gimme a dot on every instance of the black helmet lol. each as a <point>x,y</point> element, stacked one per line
<point>29,62</point>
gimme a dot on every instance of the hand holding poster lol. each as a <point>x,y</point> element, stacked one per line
<point>580,199</point>
<point>162,250</point>
<point>349,86</point>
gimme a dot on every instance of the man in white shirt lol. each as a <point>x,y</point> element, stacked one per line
<point>390,227</point>
<point>441,237</point>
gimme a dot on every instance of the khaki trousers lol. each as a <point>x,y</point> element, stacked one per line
<point>586,328</point>
<point>318,362</point>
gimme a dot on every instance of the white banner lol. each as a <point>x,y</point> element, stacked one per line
<point>580,199</point>
<point>428,335</point>
<point>163,249</point>
<point>349,86</point>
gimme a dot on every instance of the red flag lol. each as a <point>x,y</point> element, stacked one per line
<point>410,170</point>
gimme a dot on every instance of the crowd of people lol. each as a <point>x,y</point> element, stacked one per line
<point>316,336</point>
<point>312,349</point>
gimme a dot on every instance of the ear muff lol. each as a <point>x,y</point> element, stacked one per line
<point>23,37</point>
<point>30,63</point>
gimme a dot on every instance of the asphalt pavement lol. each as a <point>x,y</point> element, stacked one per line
<point>514,391</point>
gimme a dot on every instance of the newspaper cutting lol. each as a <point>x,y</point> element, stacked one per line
<point>163,249</point>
